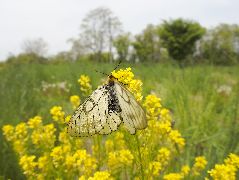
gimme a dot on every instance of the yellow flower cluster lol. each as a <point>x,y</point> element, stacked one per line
<point>173,176</point>
<point>28,165</point>
<point>155,168</point>
<point>233,160</point>
<point>21,131</point>
<point>57,114</point>
<point>163,156</point>
<point>119,159</point>
<point>101,175</point>
<point>85,85</point>
<point>35,122</point>
<point>8,132</point>
<point>46,151</point>
<point>185,170</point>
<point>127,78</point>
<point>75,101</point>
<point>227,170</point>
<point>57,155</point>
<point>153,106</point>
<point>39,157</point>
<point>199,165</point>
<point>44,136</point>
<point>160,121</point>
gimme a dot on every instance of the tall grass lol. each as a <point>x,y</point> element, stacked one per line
<point>207,117</point>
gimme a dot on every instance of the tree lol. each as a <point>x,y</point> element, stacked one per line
<point>122,44</point>
<point>147,45</point>
<point>220,45</point>
<point>77,49</point>
<point>35,46</point>
<point>98,30</point>
<point>179,37</point>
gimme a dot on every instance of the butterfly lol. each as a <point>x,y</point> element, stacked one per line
<point>105,109</point>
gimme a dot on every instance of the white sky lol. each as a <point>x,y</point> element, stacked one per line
<point>58,20</point>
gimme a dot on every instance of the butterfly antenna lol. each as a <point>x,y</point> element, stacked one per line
<point>101,72</point>
<point>118,65</point>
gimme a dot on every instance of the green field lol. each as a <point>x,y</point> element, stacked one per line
<point>204,101</point>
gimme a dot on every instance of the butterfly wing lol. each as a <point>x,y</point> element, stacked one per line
<point>133,114</point>
<point>92,117</point>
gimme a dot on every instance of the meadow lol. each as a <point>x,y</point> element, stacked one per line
<point>203,101</point>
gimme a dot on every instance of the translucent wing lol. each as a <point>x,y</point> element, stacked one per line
<point>133,115</point>
<point>92,116</point>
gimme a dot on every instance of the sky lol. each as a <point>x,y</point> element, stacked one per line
<point>56,21</point>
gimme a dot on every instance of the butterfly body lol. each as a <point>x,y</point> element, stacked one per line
<point>113,102</point>
<point>105,109</point>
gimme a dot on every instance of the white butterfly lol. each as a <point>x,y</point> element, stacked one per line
<point>105,109</point>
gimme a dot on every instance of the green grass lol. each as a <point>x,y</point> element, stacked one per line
<point>206,118</point>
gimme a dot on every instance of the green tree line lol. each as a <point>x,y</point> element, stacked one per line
<point>102,39</point>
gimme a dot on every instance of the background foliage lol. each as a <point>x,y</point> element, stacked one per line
<point>205,108</point>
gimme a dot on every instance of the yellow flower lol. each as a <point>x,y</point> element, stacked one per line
<point>222,171</point>
<point>144,151</point>
<point>58,155</point>
<point>19,146</point>
<point>67,119</point>
<point>233,159</point>
<point>85,163</point>
<point>57,114</point>
<point>28,165</point>
<point>109,145</point>
<point>35,122</point>
<point>70,163</point>
<point>8,132</point>
<point>199,165</point>
<point>119,140</point>
<point>154,168</point>
<point>185,170</point>
<point>36,138</point>
<point>40,177</point>
<point>66,148</point>
<point>124,76</point>
<point>177,176</point>
<point>127,77</point>
<point>226,170</point>
<point>82,178</point>
<point>135,87</point>
<point>158,127</point>
<point>21,131</point>
<point>175,136</point>
<point>173,176</point>
<point>64,137</point>
<point>153,106</point>
<point>86,87</point>
<point>120,158</point>
<point>89,165</point>
<point>80,155</point>
<point>101,175</point>
<point>165,116</point>
<point>126,157</point>
<point>113,161</point>
<point>44,137</point>
<point>78,143</point>
<point>43,162</point>
<point>163,156</point>
<point>75,101</point>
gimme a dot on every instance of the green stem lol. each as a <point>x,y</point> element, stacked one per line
<point>140,157</point>
<point>99,149</point>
